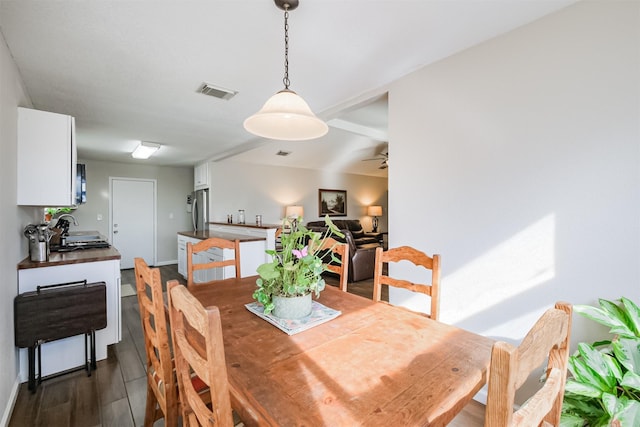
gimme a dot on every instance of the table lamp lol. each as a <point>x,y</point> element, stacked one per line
<point>294,212</point>
<point>374,211</point>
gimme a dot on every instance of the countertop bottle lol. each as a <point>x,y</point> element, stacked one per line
<point>241,216</point>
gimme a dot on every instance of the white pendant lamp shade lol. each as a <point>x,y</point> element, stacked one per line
<point>286,116</point>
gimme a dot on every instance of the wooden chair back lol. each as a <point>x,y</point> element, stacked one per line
<point>162,391</point>
<point>205,245</point>
<point>511,366</point>
<point>341,251</point>
<point>199,350</point>
<point>418,258</point>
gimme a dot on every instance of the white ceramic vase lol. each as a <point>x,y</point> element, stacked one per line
<point>292,307</point>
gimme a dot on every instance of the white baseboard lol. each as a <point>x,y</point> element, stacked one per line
<point>170,262</point>
<point>8,410</point>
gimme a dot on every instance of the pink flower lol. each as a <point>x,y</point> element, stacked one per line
<point>300,253</point>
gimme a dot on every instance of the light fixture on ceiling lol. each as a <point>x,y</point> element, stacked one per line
<point>144,150</point>
<point>286,116</point>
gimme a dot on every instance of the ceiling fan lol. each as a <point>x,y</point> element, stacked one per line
<point>383,157</point>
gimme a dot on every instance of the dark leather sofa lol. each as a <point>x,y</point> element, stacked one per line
<point>362,246</point>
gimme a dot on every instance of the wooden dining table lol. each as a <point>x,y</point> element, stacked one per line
<point>374,364</point>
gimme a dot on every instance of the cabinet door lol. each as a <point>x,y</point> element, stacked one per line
<point>46,158</point>
<point>182,256</point>
<point>201,176</point>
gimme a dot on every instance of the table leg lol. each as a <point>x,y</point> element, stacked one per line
<point>93,350</point>
<point>32,369</point>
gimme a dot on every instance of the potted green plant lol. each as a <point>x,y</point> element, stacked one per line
<point>295,271</point>
<point>50,213</point>
<point>604,386</point>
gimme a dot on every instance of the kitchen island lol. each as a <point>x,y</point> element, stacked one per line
<point>93,265</point>
<point>252,254</point>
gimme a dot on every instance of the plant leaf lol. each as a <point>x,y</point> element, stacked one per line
<point>570,420</point>
<point>628,413</point>
<point>584,374</point>
<point>619,312</point>
<point>633,314</point>
<point>596,362</point>
<point>614,367</point>
<point>631,380</point>
<point>627,350</point>
<point>611,403</point>
<point>582,389</point>
<point>616,325</point>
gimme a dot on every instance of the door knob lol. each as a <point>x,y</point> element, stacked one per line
<point>115,232</point>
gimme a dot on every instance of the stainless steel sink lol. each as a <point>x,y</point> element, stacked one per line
<point>81,240</point>
<point>85,236</point>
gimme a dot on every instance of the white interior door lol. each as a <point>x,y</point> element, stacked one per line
<point>133,219</point>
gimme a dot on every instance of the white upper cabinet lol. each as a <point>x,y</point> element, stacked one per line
<point>201,176</point>
<point>46,158</point>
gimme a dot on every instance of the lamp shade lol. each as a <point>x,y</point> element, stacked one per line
<point>144,150</point>
<point>286,116</point>
<point>294,211</point>
<point>374,210</point>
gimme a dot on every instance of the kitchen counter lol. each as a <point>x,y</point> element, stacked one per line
<point>75,257</point>
<point>206,234</point>
<point>263,226</point>
<point>92,265</point>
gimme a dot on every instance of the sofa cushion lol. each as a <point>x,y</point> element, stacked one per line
<point>365,240</point>
<point>357,234</point>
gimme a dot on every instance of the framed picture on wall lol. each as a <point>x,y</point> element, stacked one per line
<point>332,202</point>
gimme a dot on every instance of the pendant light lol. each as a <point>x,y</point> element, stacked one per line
<point>286,116</point>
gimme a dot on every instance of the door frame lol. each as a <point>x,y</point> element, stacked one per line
<point>155,210</point>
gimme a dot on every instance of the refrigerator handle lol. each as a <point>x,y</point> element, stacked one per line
<point>194,214</point>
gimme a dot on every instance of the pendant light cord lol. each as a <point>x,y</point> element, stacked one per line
<point>285,80</point>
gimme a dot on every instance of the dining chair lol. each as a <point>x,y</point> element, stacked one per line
<point>205,245</point>
<point>162,390</point>
<point>199,350</point>
<point>419,259</point>
<point>340,251</point>
<point>548,341</point>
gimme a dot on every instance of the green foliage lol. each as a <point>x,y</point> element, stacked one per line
<point>296,269</point>
<point>55,211</point>
<point>604,386</point>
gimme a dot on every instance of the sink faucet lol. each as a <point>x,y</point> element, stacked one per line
<point>75,222</point>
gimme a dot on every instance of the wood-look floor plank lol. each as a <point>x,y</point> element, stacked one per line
<point>117,414</point>
<point>59,415</point>
<point>130,364</point>
<point>137,392</point>
<point>26,408</point>
<point>110,381</point>
<point>85,408</point>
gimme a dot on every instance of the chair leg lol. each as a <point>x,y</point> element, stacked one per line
<point>150,409</point>
<point>171,417</point>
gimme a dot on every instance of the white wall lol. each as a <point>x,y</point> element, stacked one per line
<point>528,165</point>
<point>267,190</point>
<point>13,218</point>
<point>173,186</point>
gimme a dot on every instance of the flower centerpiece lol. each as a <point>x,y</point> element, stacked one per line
<point>295,270</point>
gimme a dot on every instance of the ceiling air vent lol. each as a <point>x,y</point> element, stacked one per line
<point>216,92</point>
<point>283,153</point>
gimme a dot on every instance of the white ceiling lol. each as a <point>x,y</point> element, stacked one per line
<point>130,70</point>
